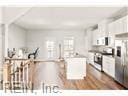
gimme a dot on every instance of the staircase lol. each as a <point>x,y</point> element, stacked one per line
<point>18,74</point>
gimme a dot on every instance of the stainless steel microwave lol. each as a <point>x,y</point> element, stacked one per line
<point>102,41</point>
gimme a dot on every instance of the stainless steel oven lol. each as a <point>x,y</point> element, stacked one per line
<point>98,59</point>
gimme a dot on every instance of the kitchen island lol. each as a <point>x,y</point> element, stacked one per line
<point>76,67</point>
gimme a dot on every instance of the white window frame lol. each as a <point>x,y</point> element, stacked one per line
<point>68,46</point>
<point>50,45</point>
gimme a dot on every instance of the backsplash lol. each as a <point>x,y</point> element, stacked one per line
<point>99,48</point>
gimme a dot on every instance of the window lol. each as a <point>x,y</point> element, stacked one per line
<point>68,46</point>
<point>50,48</point>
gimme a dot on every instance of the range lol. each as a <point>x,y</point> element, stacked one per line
<point>98,56</point>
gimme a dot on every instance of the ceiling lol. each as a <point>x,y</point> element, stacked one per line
<point>64,17</point>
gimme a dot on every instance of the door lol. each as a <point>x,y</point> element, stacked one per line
<point>50,49</point>
<point>125,44</point>
<point>118,62</point>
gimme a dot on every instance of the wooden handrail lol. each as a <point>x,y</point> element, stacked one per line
<point>17,71</point>
<point>13,59</point>
<point>23,72</point>
<point>33,60</point>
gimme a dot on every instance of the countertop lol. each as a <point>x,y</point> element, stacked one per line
<point>111,56</point>
<point>79,56</point>
<point>95,51</point>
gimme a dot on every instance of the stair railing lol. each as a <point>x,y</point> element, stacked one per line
<point>18,74</point>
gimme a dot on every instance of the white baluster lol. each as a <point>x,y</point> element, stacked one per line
<point>19,75</point>
<point>27,73</point>
<point>23,72</point>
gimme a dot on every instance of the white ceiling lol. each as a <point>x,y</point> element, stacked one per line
<point>64,17</point>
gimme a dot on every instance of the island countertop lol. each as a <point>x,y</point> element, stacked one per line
<point>75,68</point>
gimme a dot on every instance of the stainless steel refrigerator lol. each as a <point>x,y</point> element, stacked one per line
<point>121,60</point>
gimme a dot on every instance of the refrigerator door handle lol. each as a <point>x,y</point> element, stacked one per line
<point>124,50</point>
<point>122,53</point>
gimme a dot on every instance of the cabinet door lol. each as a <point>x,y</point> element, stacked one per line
<point>91,58</point>
<point>112,67</point>
<point>119,28</point>
<point>76,68</point>
<point>116,25</point>
<point>109,66</point>
<point>111,34</point>
<point>95,37</point>
<point>102,28</point>
<point>105,65</point>
<point>125,24</point>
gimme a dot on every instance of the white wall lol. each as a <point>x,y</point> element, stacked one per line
<point>0,55</point>
<point>37,38</point>
<point>16,37</point>
<point>1,45</point>
<point>0,35</point>
<point>11,14</point>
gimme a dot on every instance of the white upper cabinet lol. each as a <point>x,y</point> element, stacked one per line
<point>111,29</point>
<point>111,34</point>
<point>89,38</point>
<point>103,28</point>
<point>121,25</point>
<point>106,29</point>
<point>125,22</point>
<point>95,36</point>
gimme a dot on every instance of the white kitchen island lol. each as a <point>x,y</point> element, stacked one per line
<point>76,68</point>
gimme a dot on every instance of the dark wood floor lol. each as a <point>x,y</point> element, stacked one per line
<point>54,74</point>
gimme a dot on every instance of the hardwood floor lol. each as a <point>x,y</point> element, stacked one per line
<point>54,74</point>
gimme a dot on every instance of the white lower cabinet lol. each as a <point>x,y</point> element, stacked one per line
<point>91,58</point>
<point>76,68</point>
<point>109,65</point>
